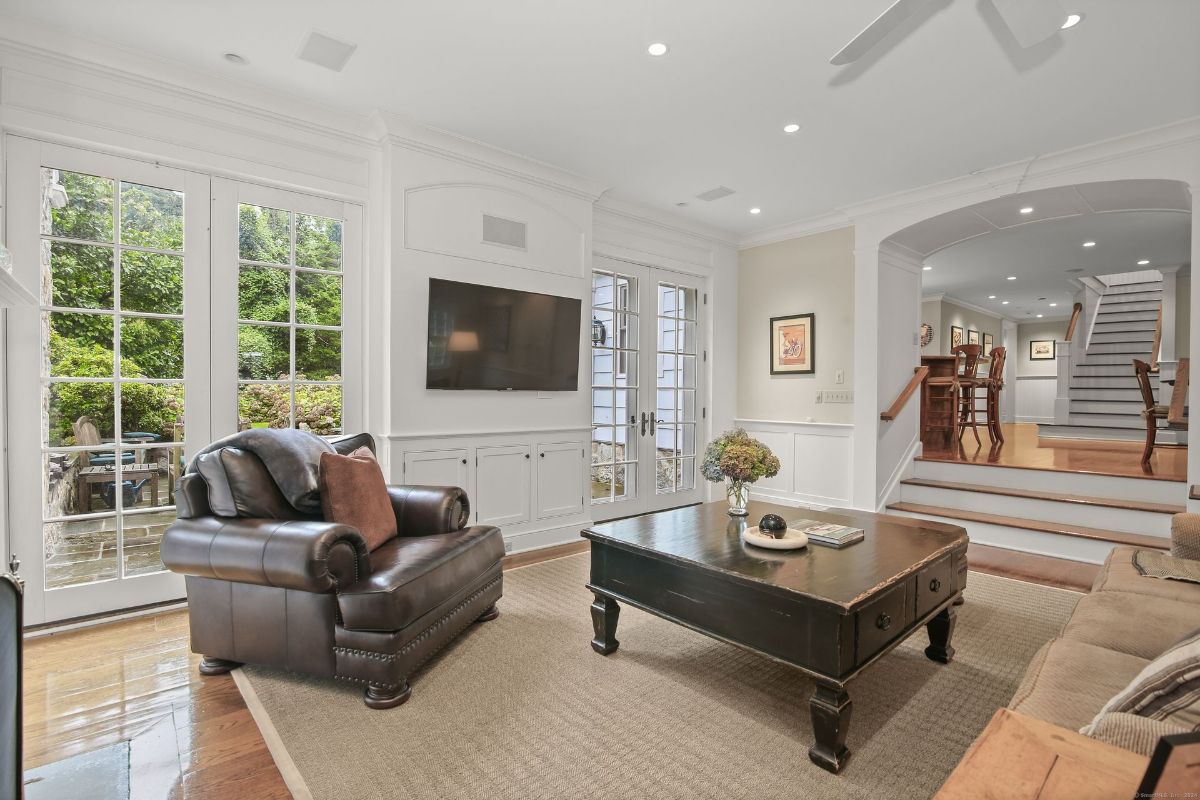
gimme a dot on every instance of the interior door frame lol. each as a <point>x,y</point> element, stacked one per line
<point>24,159</point>
<point>646,498</point>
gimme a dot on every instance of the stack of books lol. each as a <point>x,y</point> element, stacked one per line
<point>829,534</point>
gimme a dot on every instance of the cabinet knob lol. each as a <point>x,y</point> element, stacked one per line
<point>541,455</point>
<point>884,622</point>
<point>464,461</point>
<point>935,585</point>
<point>527,455</point>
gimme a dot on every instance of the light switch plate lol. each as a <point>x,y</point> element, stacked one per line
<point>839,376</point>
<point>839,395</point>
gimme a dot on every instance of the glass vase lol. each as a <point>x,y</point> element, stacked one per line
<point>738,495</point>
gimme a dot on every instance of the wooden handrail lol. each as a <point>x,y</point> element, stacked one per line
<point>1179,394</point>
<point>1157,340</point>
<point>919,375</point>
<point>1075,312</point>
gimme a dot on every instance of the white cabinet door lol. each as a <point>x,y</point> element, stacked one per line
<point>436,468</point>
<point>502,485</point>
<point>559,479</point>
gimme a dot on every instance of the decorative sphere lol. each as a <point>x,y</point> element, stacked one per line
<point>772,524</point>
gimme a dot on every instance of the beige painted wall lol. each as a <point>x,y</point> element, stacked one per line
<point>968,320</point>
<point>1032,331</point>
<point>809,274</point>
<point>931,314</point>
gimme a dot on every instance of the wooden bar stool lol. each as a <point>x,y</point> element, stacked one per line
<point>995,383</point>
<point>939,401</point>
<point>969,383</point>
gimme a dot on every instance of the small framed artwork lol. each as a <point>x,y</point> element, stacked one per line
<point>1174,769</point>
<point>956,336</point>
<point>972,337</point>
<point>1041,350</point>
<point>987,343</point>
<point>792,345</point>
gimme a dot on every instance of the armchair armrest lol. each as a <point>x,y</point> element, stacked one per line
<point>1185,536</point>
<point>308,555</point>
<point>429,510</point>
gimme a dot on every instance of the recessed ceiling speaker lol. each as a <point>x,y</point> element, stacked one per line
<point>715,194</point>
<point>325,51</point>
<point>504,232</point>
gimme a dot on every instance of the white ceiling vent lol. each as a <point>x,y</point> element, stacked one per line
<point>504,232</point>
<point>715,194</point>
<point>325,51</point>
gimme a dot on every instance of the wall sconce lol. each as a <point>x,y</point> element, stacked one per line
<point>599,332</point>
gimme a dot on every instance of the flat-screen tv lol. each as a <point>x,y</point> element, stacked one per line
<point>486,337</point>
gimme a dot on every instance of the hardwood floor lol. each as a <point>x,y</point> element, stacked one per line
<point>188,736</point>
<point>1022,448</point>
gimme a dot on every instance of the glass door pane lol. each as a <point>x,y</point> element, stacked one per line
<point>615,331</point>
<point>676,388</point>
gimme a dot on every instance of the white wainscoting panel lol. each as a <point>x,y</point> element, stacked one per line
<point>1035,397</point>
<point>815,461</point>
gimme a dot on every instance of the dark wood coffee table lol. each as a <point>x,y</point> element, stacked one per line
<point>827,612</point>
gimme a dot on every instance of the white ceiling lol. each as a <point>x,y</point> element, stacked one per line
<point>1040,254</point>
<point>569,83</point>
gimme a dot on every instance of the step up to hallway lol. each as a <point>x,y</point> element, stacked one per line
<point>1166,436</point>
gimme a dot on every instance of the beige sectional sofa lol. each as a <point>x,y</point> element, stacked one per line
<point>1126,621</point>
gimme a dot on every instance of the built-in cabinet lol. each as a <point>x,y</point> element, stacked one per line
<point>533,486</point>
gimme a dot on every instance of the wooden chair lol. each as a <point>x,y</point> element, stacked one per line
<point>1152,411</point>
<point>940,400</point>
<point>995,383</point>
<point>968,384</point>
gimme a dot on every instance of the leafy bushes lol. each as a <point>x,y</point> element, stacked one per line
<point>318,408</point>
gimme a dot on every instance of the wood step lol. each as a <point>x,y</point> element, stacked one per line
<point>1059,528</point>
<point>1106,502</point>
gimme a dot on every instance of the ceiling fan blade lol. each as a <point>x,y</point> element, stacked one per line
<point>871,35</point>
<point>1031,21</point>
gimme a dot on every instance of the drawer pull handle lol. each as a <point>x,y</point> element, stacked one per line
<point>884,622</point>
<point>935,585</point>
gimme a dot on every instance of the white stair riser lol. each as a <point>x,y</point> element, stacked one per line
<point>1113,359</point>
<point>1129,288</point>
<point>1072,548</point>
<point>1113,519</point>
<point>1131,297</point>
<point>1133,325</point>
<point>1107,420</point>
<point>1132,395</point>
<point>1107,407</point>
<point>1132,317</point>
<point>1109,434</point>
<point>1109,375</point>
<point>1149,491</point>
<point>1104,348</point>
<point>1132,305</point>
<point>1121,337</point>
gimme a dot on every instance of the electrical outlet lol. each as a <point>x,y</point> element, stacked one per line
<point>507,546</point>
<point>839,376</point>
<point>820,397</point>
<point>839,395</point>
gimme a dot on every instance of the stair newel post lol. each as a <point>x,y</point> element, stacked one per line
<point>1062,394</point>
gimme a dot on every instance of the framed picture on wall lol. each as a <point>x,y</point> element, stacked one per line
<point>1041,350</point>
<point>956,336</point>
<point>987,344</point>
<point>792,345</point>
<point>972,337</point>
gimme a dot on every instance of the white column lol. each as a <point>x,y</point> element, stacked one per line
<point>1194,338</point>
<point>1008,397</point>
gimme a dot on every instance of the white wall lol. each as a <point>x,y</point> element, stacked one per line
<point>931,314</point>
<point>968,319</point>
<point>810,274</point>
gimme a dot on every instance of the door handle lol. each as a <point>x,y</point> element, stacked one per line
<point>645,419</point>
<point>652,422</point>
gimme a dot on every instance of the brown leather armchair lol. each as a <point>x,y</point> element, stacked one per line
<point>275,587</point>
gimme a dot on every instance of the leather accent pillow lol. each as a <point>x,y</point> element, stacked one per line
<point>354,493</point>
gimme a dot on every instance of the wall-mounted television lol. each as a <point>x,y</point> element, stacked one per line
<point>486,337</point>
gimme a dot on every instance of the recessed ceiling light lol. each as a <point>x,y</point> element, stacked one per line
<point>657,49</point>
<point>1027,210</point>
<point>1089,244</point>
<point>791,127</point>
<point>1143,262</point>
<point>1041,315</point>
<point>927,268</point>
<point>1071,21</point>
<point>991,297</point>
<point>1003,302</point>
<point>1012,277</point>
<point>756,211</point>
<point>234,58</point>
<point>1052,305</point>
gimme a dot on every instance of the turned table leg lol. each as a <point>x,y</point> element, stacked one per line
<point>605,612</point>
<point>830,708</point>
<point>941,629</point>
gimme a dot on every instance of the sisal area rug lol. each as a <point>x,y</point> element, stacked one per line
<point>522,708</point>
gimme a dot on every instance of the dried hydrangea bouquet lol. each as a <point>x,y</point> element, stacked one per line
<point>738,460</point>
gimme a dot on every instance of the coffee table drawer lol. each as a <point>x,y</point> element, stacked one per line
<point>935,585</point>
<point>882,620</point>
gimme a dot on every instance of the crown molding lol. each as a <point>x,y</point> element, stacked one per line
<point>987,312</point>
<point>664,221</point>
<point>932,298</point>
<point>995,181</point>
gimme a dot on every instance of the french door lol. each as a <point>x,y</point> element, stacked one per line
<point>107,376</point>
<point>648,393</point>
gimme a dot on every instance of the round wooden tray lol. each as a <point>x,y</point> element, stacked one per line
<point>792,539</point>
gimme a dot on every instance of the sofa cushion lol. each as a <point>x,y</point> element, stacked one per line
<point>412,575</point>
<point>1068,681</point>
<point>239,485</point>
<point>1135,624</point>
<point>354,493</point>
<point>1131,732</point>
<point>1168,688</point>
<point>1185,536</point>
<point>1119,574</point>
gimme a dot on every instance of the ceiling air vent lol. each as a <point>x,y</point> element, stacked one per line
<point>715,194</point>
<point>325,51</point>
<point>504,232</point>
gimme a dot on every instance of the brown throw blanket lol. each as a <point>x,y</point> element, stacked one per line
<point>293,457</point>
<point>1156,564</point>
